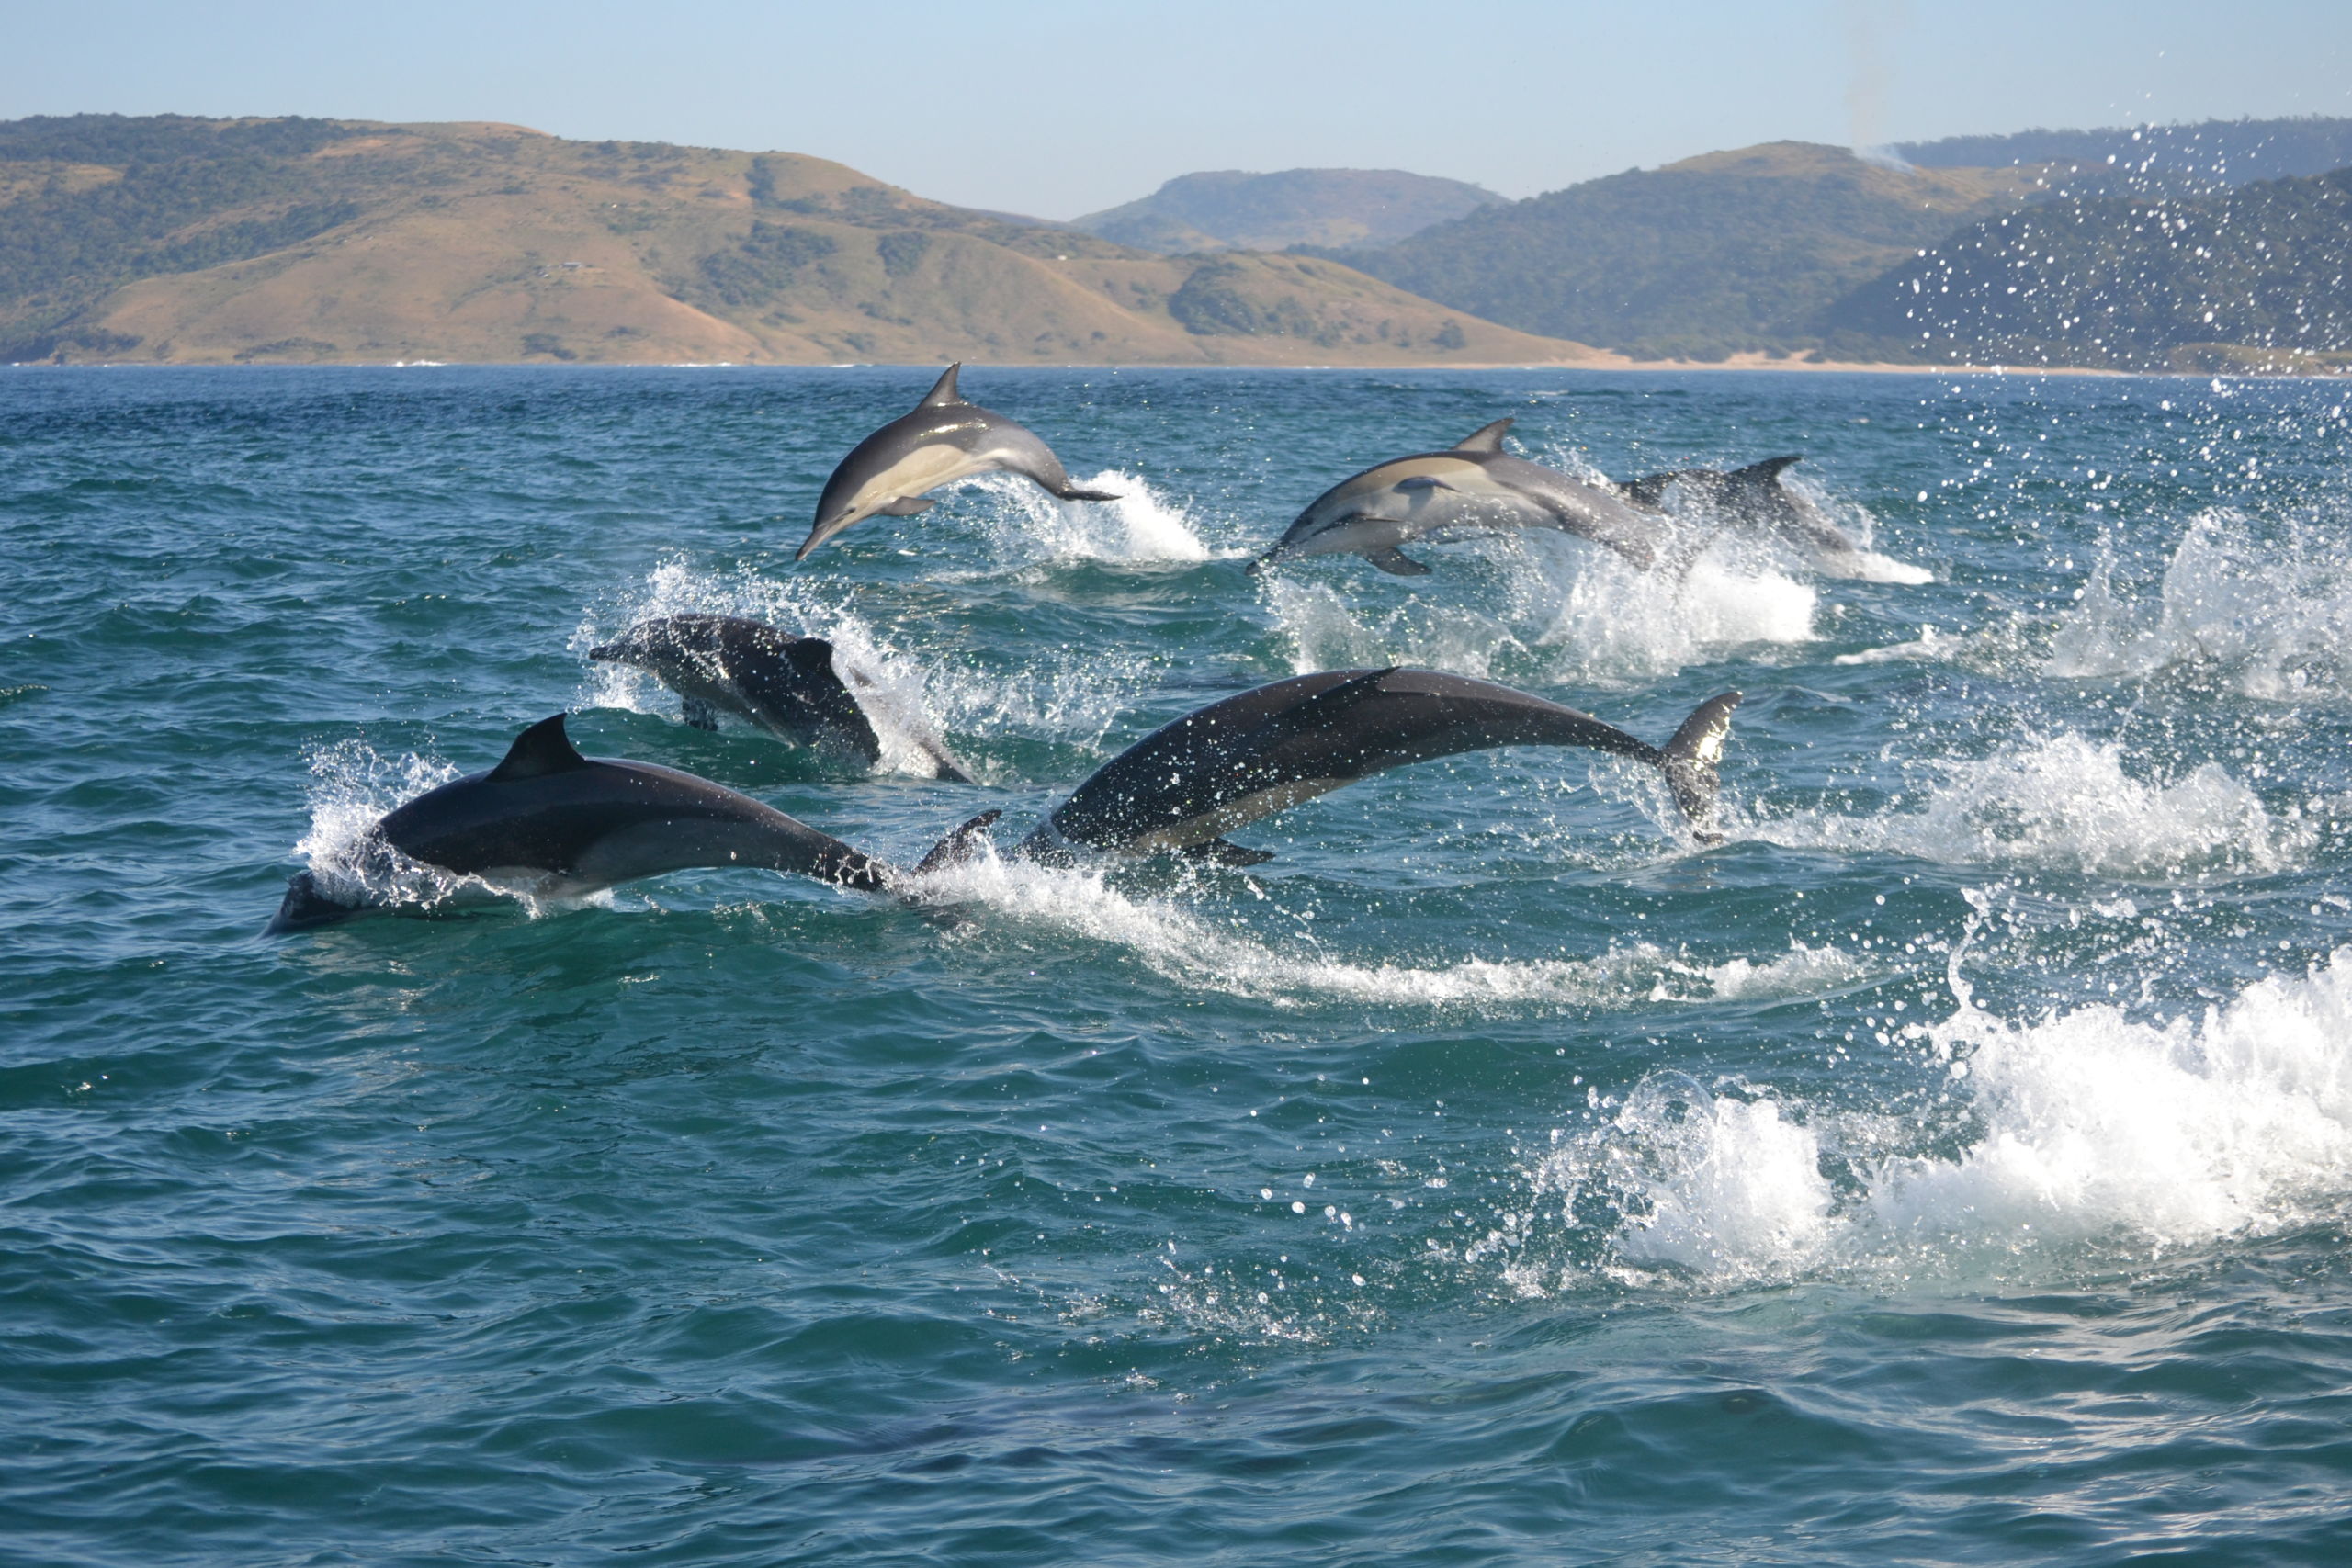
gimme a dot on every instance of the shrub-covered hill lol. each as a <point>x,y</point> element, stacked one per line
<point>173,239</point>
<point>2258,279</point>
<point>1234,210</point>
<point>2208,155</point>
<point>1705,257</point>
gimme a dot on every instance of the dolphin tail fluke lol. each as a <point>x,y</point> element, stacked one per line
<point>1263,562</point>
<point>1691,758</point>
<point>960,846</point>
<point>906,506</point>
<point>1396,563</point>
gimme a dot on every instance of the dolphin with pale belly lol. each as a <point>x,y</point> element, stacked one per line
<point>1474,488</point>
<point>549,823</point>
<point>943,440</point>
<point>1181,788</point>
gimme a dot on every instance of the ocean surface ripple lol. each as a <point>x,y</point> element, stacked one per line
<point>1954,1166</point>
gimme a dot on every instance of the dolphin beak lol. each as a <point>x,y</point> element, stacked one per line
<point>607,652</point>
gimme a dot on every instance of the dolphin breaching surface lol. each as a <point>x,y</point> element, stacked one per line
<point>1390,1067</point>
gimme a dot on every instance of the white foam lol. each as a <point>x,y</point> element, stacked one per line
<point>891,687</point>
<point>1189,947</point>
<point>1142,528</point>
<point>1551,609</point>
<point>2086,1128</point>
<point>2060,802</point>
<point>2273,618</point>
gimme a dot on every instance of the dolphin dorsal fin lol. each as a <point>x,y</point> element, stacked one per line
<point>539,750</point>
<point>1765,472</point>
<point>1487,439</point>
<point>943,393</point>
<point>811,656</point>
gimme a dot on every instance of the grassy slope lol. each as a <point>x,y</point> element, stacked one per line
<point>488,242</point>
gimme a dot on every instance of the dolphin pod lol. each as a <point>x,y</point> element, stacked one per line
<point>1474,487</point>
<point>943,440</point>
<point>1181,788</point>
<point>549,823</point>
<point>791,686</point>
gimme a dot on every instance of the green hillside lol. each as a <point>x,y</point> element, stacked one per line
<point>2258,279</point>
<point>2206,155</point>
<point>1234,210</point>
<point>1729,252</point>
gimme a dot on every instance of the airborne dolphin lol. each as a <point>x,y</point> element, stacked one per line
<point>1754,497</point>
<point>943,440</point>
<point>1475,487</point>
<point>548,822</point>
<point>787,685</point>
<point>1185,785</point>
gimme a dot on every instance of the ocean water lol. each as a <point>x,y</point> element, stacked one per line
<point>1953,1166</point>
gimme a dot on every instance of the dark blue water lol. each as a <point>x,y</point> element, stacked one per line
<point>1952,1166</point>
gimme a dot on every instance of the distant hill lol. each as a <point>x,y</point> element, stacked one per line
<point>1713,256</point>
<point>171,238</point>
<point>2256,278</point>
<point>1234,210</point>
<point>2209,155</point>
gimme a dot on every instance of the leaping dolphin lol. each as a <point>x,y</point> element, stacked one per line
<point>1754,497</point>
<point>1475,487</point>
<point>548,822</point>
<point>791,686</point>
<point>943,440</point>
<point>1185,785</point>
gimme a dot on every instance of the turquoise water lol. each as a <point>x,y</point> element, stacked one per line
<point>1952,1166</point>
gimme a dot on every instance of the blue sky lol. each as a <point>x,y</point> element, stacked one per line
<point>1056,108</point>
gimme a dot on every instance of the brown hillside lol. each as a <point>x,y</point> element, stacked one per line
<point>492,242</point>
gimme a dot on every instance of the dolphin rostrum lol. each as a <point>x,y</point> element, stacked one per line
<point>943,440</point>
<point>549,823</point>
<point>1185,785</point>
<point>1753,497</point>
<point>1474,488</point>
<point>791,686</point>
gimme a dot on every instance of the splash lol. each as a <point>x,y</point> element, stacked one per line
<point>2081,1129</point>
<point>2063,803</point>
<point>351,787</point>
<point>891,687</point>
<point>2268,619</point>
<point>1143,527</point>
<point>1186,947</point>
<point>1555,610</point>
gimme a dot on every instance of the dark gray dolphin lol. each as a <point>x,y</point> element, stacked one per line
<point>1752,497</point>
<point>943,440</point>
<point>548,822</point>
<point>791,686</point>
<point>1474,488</point>
<point>1182,787</point>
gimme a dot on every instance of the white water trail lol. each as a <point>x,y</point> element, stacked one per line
<point>2060,803</point>
<point>1189,947</point>
<point>1143,527</point>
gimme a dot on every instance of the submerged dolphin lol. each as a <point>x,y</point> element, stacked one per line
<point>548,822</point>
<point>1753,497</point>
<point>787,685</point>
<point>943,440</point>
<point>1184,787</point>
<point>1476,487</point>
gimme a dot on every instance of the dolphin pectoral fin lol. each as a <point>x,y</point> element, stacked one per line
<point>697,713</point>
<point>960,846</point>
<point>1396,563</point>
<point>1487,438</point>
<point>1691,758</point>
<point>1218,852</point>
<point>942,392</point>
<point>1073,493</point>
<point>905,506</point>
